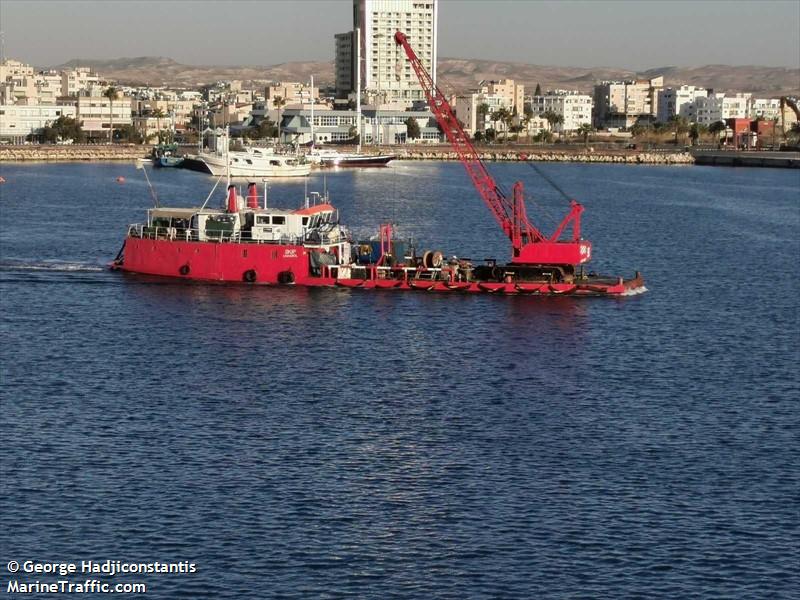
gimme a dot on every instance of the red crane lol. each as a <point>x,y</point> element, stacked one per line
<point>530,247</point>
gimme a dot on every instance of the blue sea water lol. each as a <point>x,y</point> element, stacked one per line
<point>299,443</point>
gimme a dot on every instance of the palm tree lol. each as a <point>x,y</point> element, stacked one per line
<point>526,123</point>
<point>502,115</point>
<point>680,126</point>
<point>111,93</point>
<point>278,102</point>
<point>696,131</point>
<point>494,117</point>
<point>482,111</point>
<point>552,118</point>
<point>158,114</point>
<point>585,129</point>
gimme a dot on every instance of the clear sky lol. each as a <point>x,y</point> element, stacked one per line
<point>619,33</point>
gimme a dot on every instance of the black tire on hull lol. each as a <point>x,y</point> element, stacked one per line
<point>286,277</point>
<point>250,276</point>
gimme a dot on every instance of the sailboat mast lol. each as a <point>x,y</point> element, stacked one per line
<point>312,111</point>
<point>227,157</point>
<point>358,88</point>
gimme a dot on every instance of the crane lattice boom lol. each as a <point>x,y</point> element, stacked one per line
<point>529,245</point>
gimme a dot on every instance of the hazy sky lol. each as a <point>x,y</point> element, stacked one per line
<point>631,34</point>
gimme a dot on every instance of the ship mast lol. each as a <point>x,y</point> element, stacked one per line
<point>358,88</point>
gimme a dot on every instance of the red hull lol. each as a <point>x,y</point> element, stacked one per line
<point>207,261</point>
<point>282,264</point>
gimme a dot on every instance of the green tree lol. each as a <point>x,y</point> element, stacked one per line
<point>64,128</point>
<point>538,91</point>
<point>128,133</point>
<point>585,130</point>
<point>278,102</point>
<point>695,131</point>
<point>641,130</point>
<point>717,128</point>
<point>412,128</point>
<point>552,118</point>
<point>265,129</point>
<point>679,126</point>
<point>111,94</point>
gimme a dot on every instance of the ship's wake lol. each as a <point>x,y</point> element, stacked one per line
<point>635,291</point>
<point>52,266</point>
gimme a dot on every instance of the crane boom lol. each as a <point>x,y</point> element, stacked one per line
<point>529,245</point>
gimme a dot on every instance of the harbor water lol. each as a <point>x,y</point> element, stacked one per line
<point>329,443</point>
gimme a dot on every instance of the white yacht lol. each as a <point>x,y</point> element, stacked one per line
<point>256,162</point>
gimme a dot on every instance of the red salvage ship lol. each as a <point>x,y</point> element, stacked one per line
<point>245,242</point>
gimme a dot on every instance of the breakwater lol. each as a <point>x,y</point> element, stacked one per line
<point>553,155</point>
<point>93,152</point>
<point>124,153</point>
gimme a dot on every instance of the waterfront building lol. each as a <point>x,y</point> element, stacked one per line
<point>476,109</point>
<point>622,103</point>
<point>379,126</point>
<point>94,113</point>
<point>766,108</point>
<point>17,121</point>
<point>679,102</point>
<point>719,107</point>
<point>386,74</point>
<point>573,107</point>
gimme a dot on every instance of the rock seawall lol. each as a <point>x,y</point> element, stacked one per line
<point>649,158</point>
<point>129,153</point>
<point>71,153</point>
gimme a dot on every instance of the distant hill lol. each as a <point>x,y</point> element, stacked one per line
<point>454,74</point>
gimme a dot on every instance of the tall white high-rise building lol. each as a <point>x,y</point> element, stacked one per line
<point>386,74</point>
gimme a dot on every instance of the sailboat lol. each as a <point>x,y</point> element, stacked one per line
<point>329,157</point>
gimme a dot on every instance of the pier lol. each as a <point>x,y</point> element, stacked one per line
<point>722,158</point>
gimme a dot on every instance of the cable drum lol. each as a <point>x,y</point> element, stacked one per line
<point>432,260</point>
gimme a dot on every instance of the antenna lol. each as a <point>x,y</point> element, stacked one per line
<point>2,46</point>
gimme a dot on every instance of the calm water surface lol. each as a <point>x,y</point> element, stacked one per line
<point>329,443</point>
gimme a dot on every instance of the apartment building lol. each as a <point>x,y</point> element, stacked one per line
<point>574,108</point>
<point>74,81</point>
<point>622,103</point>
<point>17,121</point>
<point>766,108</point>
<point>512,92</point>
<point>386,74</point>
<point>719,107</point>
<point>291,92</point>
<point>94,113</point>
<point>345,63</point>
<point>679,102</point>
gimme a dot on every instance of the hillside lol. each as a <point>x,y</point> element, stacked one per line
<point>454,74</point>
